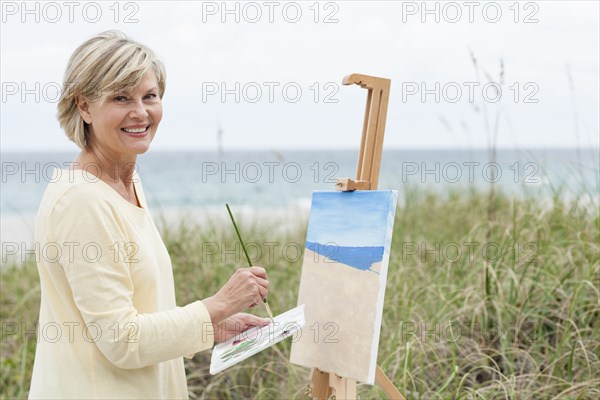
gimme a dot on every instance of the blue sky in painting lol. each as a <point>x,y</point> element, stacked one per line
<point>349,218</point>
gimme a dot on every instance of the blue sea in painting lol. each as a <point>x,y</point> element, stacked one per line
<point>356,257</point>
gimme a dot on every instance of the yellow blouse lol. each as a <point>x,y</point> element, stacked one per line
<point>109,326</point>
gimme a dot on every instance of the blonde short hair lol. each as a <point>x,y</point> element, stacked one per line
<point>108,63</point>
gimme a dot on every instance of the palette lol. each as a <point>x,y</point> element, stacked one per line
<point>256,339</point>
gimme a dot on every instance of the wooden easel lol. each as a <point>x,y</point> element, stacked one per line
<point>324,384</point>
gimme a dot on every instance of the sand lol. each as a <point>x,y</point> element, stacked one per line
<point>341,308</point>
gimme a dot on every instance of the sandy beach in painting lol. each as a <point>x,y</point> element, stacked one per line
<point>334,328</point>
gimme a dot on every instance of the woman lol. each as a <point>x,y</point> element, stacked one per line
<point>109,326</point>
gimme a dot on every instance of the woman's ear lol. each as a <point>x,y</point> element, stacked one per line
<point>83,107</point>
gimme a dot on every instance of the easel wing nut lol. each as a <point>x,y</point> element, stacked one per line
<point>348,185</point>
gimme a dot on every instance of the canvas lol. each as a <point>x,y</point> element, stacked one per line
<point>343,279</point>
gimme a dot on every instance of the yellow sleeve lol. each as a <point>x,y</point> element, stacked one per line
<point>102,289</point>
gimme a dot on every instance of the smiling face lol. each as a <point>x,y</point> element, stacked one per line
<point>123,124</point>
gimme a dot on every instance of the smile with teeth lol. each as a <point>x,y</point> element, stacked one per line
<point>135,130</point>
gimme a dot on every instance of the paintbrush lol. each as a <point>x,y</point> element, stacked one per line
<point>247,257</point>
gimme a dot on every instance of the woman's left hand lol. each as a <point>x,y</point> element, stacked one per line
<point>236,324</point>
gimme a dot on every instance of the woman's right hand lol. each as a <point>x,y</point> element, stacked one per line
<point>245,288</point>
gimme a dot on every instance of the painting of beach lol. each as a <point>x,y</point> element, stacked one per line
<point>343,281</point>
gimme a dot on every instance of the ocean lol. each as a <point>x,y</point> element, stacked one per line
<point>268,181</point>
<point>359,257</point>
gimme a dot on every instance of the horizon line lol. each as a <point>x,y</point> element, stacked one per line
<point>307,149</point>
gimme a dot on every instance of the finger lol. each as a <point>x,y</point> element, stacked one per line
<point>262,282</point>
<point>253,320</point>
<point>242,273</point>
<point>247,318</point>
<point>259,271</point>
<point>263,292</point>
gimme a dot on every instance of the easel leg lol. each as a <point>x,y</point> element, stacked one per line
<point>387,385</point>
<point>343,388</point>
<point>319,384</point>
<point>325,384</point>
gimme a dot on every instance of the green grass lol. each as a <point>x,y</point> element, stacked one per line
<point>522,322</point>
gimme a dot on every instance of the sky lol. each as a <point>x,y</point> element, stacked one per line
<point>350,218</point>
<point>268,74</point>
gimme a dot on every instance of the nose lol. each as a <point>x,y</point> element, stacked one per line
<point>138,110</point>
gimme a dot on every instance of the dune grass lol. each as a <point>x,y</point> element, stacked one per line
<point>479,305</point>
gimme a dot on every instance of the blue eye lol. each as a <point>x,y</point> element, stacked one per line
<point>120,99</point>
<point>151,96</point>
